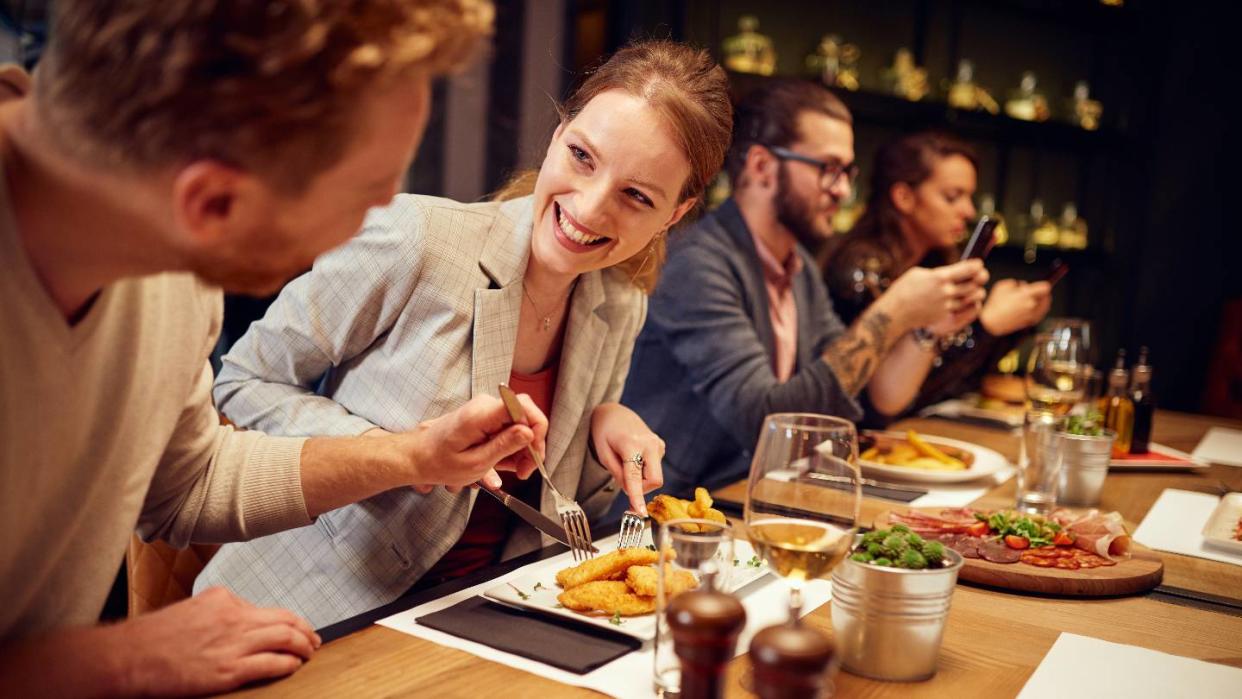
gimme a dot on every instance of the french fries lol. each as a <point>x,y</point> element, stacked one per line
<point>916,452</point>
<point>664,508</point>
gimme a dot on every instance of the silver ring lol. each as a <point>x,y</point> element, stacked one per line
<point>636,459</point>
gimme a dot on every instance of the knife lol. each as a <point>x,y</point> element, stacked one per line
<point>531,516</point>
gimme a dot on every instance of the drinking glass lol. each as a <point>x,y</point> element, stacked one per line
<point>803,497</point>
<point>1076,329</point>
<point>1039,465</point>
<point>1057,373</point>
<point>699,547</point>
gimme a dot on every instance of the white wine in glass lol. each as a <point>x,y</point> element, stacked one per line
<point>803,497</point>
<point>1057,373</point>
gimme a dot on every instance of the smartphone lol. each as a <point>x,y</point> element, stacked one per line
<point>1059,269</point>
<point>981,241</point>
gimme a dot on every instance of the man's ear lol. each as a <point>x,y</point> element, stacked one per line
<point>213,201</point>
<point>760,163</point>
<point>902,196</point>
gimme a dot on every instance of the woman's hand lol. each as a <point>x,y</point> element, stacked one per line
<point>1015,305</point>
<point>942,299</point>
<point>618,434</point>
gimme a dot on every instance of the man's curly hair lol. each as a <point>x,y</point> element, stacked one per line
<point>265,85</point>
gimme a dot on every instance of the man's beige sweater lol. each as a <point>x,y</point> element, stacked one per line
<point>107,426</point>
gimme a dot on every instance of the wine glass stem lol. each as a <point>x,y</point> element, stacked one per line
<point>795,604</point>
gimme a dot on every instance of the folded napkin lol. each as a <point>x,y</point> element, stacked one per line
<point>574,648</point>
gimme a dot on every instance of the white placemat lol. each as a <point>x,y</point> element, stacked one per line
<point>766,603</point>
<point>1080,666</point>
<point>1220,445</point>
<point>1174,524</point>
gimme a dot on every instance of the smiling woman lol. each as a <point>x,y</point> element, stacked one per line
<point>437,301</point>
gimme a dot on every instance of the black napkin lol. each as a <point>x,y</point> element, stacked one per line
<point>576,648</point>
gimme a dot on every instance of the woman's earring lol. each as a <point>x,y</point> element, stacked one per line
<point>646,258</point>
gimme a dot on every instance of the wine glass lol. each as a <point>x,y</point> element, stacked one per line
<point>804,497</point>
<point>1073,328</point>
<point>1057,373</point>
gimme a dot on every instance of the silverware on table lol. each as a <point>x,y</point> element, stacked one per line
<point>570,512</point>
<point>531,516</point>
<point>863,481</point>
<point>632,527</point>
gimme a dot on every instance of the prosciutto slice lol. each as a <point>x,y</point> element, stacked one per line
<point>954,521</point>
<point>1102,534</point>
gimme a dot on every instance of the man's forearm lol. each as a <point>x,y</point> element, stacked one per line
<point>338,471</point>
<point>856,355</point>
<point>87,662</point>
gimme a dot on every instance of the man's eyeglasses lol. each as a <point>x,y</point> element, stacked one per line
<point>829,173</point>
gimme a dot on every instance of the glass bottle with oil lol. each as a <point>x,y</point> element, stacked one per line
<point>1144,405</point>
<point>1116,407</point>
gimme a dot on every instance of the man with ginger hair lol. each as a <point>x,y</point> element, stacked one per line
<point>162,151</point>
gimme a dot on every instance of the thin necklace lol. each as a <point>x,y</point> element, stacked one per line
<point>545,319</point>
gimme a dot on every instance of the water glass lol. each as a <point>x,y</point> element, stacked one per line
<point>700,548</point>
<point>1039,467</point>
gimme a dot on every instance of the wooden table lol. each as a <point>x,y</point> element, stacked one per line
<point>993,640</point>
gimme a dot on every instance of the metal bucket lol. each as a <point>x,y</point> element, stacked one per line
<point>888,622</point>
<point>1084,466</point>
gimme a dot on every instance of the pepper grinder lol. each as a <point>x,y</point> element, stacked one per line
<point>705,625</point>
<point>791,662</point>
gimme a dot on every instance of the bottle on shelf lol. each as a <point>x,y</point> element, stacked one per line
<point>834,63</point>
<point>987,207</point>
<point>904,78</point>
<point>1144,405</point>
<point>965,94</point>
<point>1026,103</point>
<point>1116,407</point>
<point>848,213</point>
<point>748,51</point>
<point>1038,231</point>
<point>1086,111</point>
<point>1073,233</point>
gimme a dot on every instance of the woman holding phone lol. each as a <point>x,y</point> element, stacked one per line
<point>543,288</point>
<point>917,214</point>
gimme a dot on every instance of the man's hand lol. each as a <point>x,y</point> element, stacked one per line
<point>473,442</point>
<point>211,643</point>
<point>941,299</point>
<point>1015,305</point>
<point>618,433</point>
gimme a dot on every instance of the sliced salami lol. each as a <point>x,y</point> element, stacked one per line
<point>968,546</point>
<point>998,552</point>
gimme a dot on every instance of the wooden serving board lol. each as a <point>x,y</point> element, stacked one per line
<point>1140,573</point>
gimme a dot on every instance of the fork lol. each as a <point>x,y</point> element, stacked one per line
<point>577,529</point>
<point>632,527</point>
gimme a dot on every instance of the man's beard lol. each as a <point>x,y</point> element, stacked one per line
<point>795,215</point>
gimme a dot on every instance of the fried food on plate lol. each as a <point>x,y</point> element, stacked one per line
<point>605,567</point>
<point>916,452</point>
<point>664,508</point>
<point>608,597</point>
<point>645,580</point>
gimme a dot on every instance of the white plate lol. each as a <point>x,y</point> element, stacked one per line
<point>1218,531</point>
<point>522,592</point>
<point>987,463</point>
<point>1176,464</point>
<point>968,407</point>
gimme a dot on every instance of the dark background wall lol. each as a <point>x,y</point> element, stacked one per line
<point>1151,183</point>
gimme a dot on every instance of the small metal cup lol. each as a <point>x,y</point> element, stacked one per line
<point>888,622</point>
<point>1084,466</point>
